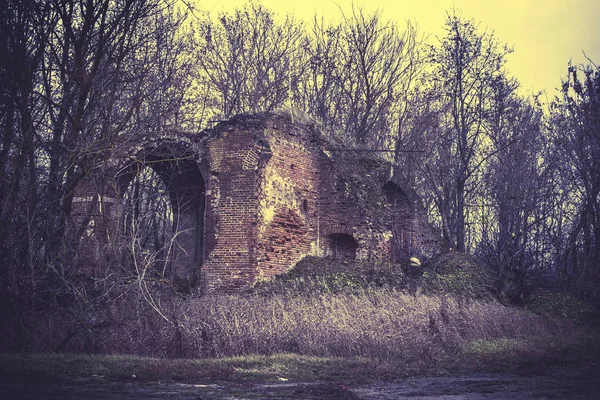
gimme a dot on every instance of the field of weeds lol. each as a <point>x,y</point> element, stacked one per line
<point>330,315</point>
<point>380,334</point>
<point>378,324</point>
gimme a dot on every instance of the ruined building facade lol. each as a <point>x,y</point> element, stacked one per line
<point>253,196</point>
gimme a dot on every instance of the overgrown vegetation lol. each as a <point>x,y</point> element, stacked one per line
<point>454,274</point>
<point>377,334</point>
<point>514,181</point>
<point>516,354</point>
<point>316,275</point>
<point>510,179</point>
<point>326,308</point>
<point>376,324</point>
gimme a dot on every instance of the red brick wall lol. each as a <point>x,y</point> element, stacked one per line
<point>339,213</point>
<point>288,209</point>
<point>274,194</point>
<point>231,215</point>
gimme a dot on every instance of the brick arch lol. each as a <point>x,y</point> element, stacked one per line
<point>332,228</point>
<point>184,178</point>
<point>177,167</point>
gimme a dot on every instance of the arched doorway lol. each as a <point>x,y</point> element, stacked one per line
<point>146,218</point>
<point>161,216</point>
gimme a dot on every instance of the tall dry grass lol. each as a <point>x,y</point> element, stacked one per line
<point>377,324</point>
<point>370,323</point>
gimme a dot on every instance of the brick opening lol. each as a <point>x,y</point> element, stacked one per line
<point>165,197</point>
<point>305,205</point>
<point>147,215</point>
<point>403,243</point>
<point>341,246</point>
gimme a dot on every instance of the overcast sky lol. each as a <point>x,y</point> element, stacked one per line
<point>545,34</point>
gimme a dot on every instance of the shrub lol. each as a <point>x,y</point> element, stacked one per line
<point>320,275</point>
<point>457,274</point>
<point>556,304</point>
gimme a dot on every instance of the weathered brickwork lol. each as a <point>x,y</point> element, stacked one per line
<point>230,257</point>
<point>261,192</point>
<point>287,229</point>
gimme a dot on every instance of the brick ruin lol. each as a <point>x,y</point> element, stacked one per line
<point>253,196</point>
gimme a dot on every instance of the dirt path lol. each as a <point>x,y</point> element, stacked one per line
<point>573,383</point>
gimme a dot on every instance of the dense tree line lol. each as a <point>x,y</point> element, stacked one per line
<point>77,79</point>
<point>505,177</point>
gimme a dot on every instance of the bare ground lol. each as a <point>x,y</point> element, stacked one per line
<point>577,383</point>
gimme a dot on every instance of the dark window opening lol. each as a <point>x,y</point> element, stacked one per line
<point>342,246</point>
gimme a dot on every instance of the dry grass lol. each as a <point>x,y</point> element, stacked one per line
<point>316,322</point>
<point>377,324</point>
<point>376,335</point>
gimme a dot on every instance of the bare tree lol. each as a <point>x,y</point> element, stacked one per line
<point>250,61</point>
<point>80,79</point>
<point>83,75</point>
<point>25,30</point>
<point>359,73</point>
<point>516,185</point>
<point>465,65</point>
<point>113,71</point>
<point>576,121</point>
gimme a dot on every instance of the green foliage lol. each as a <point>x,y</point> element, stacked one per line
<point>556,304</point>
<point>317,275</point>
<point>453,273</point>
<point>490,347</point>
<point>457,274</point>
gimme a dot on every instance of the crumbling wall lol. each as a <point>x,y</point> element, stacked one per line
<point>288,209</point>
<point>236,153</point>
<point>339,212</point>
<point>94,213</point>
<point>270,191</point>
<point>353,202</point>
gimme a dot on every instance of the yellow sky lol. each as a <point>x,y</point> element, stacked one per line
<point>545,34</point>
